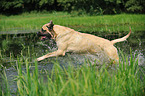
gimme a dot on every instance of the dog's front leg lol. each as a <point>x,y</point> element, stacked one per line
<point>53,54</point>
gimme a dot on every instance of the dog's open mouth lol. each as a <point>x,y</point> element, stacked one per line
<point>44,36</point>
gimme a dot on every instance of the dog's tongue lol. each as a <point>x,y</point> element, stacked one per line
<point>43,37</point>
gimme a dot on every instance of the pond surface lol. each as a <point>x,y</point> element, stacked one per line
<point>29,46</point>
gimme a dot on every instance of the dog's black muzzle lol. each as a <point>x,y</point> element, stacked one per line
<point>43,36</point>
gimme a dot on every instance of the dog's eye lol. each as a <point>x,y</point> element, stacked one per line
<point>43,30</point>
<point>49,28</point>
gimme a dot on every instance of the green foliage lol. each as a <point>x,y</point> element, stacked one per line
<point>44,2</point>
<point>7,4</point>
<point>91,7</point>
<point>135,5</point>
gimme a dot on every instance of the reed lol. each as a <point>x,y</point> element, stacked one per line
<point>122,79</point>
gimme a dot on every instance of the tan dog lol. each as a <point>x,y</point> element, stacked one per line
<point>69,40</point>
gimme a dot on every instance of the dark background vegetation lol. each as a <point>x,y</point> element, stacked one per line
<point>90,7</point>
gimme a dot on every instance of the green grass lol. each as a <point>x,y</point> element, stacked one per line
<point>120,80</point>
<point>123,79</point>
<point>105,23</point>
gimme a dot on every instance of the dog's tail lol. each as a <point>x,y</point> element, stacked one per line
<point>121,39</point>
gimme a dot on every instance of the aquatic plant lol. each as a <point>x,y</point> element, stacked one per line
<point>120,79</point>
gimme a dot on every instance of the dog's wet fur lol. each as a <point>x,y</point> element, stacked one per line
<point>69,40</point>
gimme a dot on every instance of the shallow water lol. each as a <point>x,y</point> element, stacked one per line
<point>29,46</point>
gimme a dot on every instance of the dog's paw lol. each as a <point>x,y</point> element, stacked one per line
<point>39,59</point>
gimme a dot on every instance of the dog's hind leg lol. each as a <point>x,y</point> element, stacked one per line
<point>112,54</point>
<point>53,54</point>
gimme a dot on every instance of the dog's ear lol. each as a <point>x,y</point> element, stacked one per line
<point>51,24</point>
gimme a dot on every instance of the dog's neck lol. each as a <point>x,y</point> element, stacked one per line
<point>53,34</point>
<point>61,30</point>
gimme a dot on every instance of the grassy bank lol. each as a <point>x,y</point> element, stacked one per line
<point>122,80</point>
<point>105,23</point>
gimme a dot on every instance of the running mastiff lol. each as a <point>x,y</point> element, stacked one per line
<point>69,40</point>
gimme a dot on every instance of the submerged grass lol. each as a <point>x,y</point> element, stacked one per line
<point>105,23</point>
<point>121,80</point>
